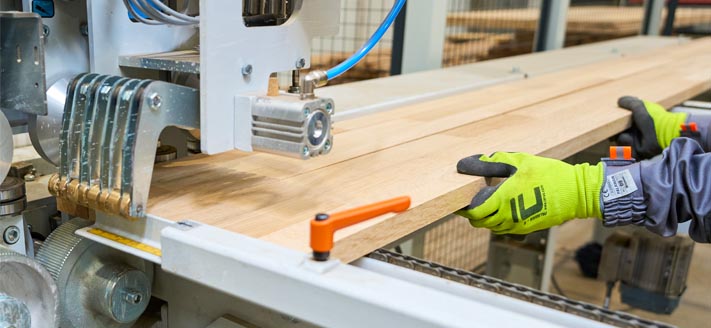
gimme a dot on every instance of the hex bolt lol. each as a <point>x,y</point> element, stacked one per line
<point>156,101</point>
<point>301,63</point>
<point>31,176</point>
<point>247,70</point>
<point>11,235</point>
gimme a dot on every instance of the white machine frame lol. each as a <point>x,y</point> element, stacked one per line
<point>332,294</point>
<point>227,46</point>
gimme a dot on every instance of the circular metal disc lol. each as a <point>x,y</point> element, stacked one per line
<point>28,282</point>
<point>45,130</point>
<point>12,188</point>
<point>6,146</point>
<point>166,153</point>
<point>76,263</point>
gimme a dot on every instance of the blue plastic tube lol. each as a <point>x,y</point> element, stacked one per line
<point>341,68</point>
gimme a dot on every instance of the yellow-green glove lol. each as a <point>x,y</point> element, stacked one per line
<point>653,127</point>
<point>538,194</point>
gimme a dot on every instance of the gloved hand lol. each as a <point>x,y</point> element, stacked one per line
<point>653,127</point>
<point>538,194</point>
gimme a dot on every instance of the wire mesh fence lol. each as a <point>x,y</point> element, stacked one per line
<point>455,243</point>
<point>478,30</point>
<point>599,20</point>
<point>359,19</point>
<point>690,18</point>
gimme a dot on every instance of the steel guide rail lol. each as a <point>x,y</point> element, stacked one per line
<point>586,310</point>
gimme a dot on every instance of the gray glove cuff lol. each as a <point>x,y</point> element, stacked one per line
<point>702,118</point>
<point>622,196</point>
<point>703,121</point>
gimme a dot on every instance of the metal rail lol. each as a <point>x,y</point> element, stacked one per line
<point>582,309</point>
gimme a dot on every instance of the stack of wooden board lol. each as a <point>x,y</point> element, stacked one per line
<point>412,150</point>
<point>586,24</point>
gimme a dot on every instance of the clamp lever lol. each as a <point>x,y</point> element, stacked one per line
<point>324,226</point>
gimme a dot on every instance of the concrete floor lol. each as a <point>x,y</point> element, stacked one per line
<point>693,311</point>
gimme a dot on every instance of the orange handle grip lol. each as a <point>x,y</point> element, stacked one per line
<point>324,226</point>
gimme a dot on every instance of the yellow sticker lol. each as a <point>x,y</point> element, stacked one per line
<point>125,241</point>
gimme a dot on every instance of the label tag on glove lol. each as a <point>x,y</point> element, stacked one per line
<point>618,185</point>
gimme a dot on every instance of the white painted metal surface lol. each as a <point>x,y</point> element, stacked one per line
<point>330,293</point>
<point>654,25</point>
<point>423,45</point>
<point>227,45</point>
<point>553,35</point>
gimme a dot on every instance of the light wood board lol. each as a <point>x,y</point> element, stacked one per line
<point>413,150</point>
<point>581,19</point>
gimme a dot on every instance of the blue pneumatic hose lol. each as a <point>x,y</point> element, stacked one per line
<point>368,46</point>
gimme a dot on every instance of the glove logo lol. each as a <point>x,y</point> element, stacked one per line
<point>529,213</point>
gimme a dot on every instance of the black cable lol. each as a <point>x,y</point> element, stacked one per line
<point>556,286</point>
<point>479,267</point>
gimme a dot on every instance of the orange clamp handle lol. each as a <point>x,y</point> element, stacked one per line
<point>324,226</point>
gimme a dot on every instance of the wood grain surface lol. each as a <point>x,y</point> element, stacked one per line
<point>412,150</point>
<point>581,19</point>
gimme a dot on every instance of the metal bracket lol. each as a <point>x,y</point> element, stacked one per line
<point>108,141</point>
<point>22,76</point>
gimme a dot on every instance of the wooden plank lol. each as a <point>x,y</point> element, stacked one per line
<point>371,96</point>
<point>582,19</point>
<point>413,151</point>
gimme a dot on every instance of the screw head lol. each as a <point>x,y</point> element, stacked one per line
<point>45,31</point>
<point>301,63</point>
<point>329,108</point>
<point>156,101</point>
<point>327,145</point>
<point>84,29</point>
<point>307,112</point>
<point>306,151</point>
<point>132,297</point>
<point>11,235</point>
<point>247,70</point>
<point>321,217</point>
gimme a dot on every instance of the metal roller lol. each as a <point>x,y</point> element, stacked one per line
<point>28,294</point>
<point>6,146</point>
<point>98,285</point>
<point>44,130</point>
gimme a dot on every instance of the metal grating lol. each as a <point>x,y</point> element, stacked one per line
<point>359,19</point>
<point>478,30</point>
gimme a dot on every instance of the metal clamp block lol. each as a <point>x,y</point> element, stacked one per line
<point>110,128</point>
<point>290,126</point>
<point>22,77</point>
